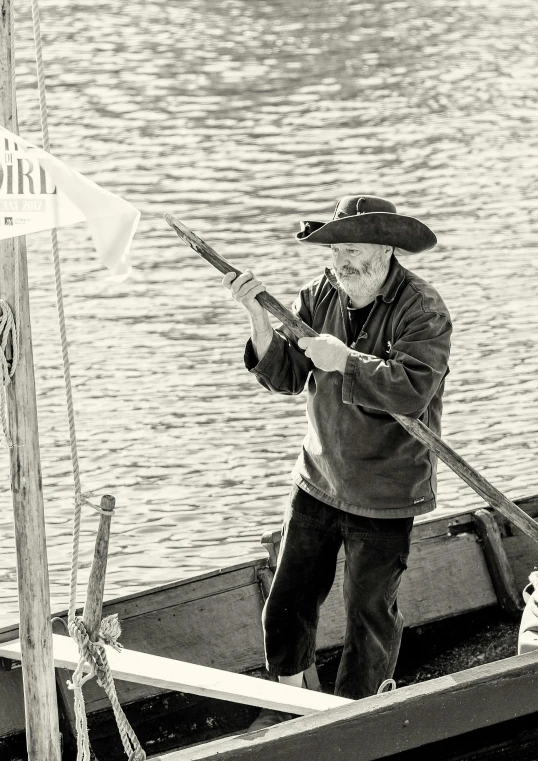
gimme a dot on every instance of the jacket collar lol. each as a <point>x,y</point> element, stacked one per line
<point>390,287</point>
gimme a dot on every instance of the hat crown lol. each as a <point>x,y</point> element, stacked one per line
<point>362,204</point>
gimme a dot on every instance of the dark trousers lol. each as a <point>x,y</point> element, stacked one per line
<point>376,551</point>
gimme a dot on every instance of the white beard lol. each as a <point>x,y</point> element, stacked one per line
<point>362,280</point>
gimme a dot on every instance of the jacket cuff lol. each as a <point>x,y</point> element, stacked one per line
<point>352,374</point>
<point>349,377</point>
<point>251,359</point>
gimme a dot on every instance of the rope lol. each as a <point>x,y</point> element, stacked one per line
<point>389,685</point>
<point>7,331</point>
<point>94,655</point>
<point>79,498</point>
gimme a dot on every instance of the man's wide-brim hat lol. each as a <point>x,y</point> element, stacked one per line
<point>369,219</point>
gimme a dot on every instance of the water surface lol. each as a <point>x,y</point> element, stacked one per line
<point>239,119</point>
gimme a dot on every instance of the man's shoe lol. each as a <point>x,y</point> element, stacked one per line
<point>268,717</point>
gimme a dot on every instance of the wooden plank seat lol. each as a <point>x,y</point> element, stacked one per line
<point>211,620</point>
<point>170,674</point>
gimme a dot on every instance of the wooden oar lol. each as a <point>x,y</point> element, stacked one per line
<point>416,428</point>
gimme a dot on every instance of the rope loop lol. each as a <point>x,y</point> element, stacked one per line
<point>83,499</point>
<point>8,334</point>
<point>389,685</point>
<point>8,330</point>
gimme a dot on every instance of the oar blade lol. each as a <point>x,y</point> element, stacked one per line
<point>200,246</point>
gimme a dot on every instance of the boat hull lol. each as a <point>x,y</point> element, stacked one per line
<point>214,620</point>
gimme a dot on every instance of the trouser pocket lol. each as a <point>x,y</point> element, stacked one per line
<point>394,579</point>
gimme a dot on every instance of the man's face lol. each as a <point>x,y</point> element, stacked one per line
<point>354,262</point>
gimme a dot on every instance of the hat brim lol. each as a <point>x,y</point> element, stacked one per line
<point>381,227</point>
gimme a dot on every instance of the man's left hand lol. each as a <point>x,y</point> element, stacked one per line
<point>326,352</point>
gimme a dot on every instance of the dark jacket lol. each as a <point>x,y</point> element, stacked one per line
<point>355,456</point>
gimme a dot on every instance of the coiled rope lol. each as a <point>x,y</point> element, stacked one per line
<point>9,334</point>
<point>92,653</point>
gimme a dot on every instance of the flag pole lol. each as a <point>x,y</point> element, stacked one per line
<point>35,630</point>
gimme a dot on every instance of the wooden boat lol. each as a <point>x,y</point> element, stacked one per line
<point>463,588</point>
<point>466,572</point>
<point>198,642</point>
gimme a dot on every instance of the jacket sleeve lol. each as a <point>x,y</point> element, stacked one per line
<point>407,381</point>
<point>284,368</point>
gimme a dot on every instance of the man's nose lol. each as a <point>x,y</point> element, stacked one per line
<point>341,255</point>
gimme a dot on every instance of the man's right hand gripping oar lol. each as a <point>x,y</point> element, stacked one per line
<point>244,289</point>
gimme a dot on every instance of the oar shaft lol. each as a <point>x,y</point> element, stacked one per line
<point>472,477</point>
<point>272,305</point>
<point>416,428</point>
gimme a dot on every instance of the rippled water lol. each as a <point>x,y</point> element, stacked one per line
<point>239,118</point>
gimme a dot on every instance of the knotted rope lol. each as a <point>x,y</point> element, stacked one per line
<point>94,655</point>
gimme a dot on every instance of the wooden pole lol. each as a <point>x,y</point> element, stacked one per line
<point>416,428</point>
<point>42,732</point>
<point>96,584</point>
<point>291,321</point>
<point>472,477</point>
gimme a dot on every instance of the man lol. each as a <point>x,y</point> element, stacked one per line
<point>361,477</point>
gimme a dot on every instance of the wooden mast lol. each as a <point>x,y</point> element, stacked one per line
<point>41,712</point>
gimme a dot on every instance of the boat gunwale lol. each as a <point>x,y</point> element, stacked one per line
<point>389,723</point>
<point>429,528</point>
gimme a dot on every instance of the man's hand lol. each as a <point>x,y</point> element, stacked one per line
<point>244,290</point>
<point>326,352</point>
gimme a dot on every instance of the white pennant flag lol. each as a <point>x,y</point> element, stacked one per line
<point>39,192</point>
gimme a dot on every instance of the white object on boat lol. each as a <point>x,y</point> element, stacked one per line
<point>528,629</point>
<point>170,674</point>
